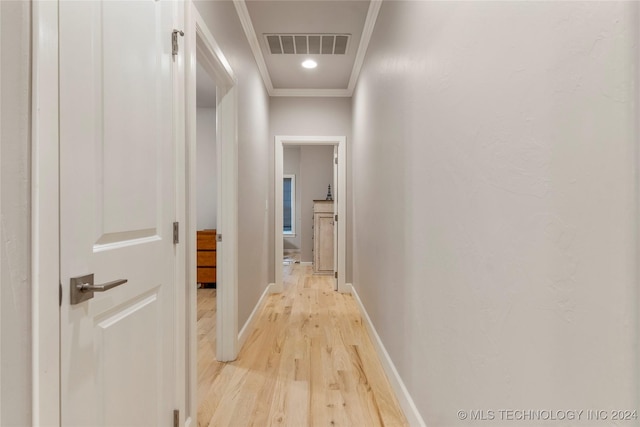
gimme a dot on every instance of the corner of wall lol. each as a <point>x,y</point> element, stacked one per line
<point>404,398</point>
<point>249,324</point>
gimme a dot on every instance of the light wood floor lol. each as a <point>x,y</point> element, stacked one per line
<point>309,362</point>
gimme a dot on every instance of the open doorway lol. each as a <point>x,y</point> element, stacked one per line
<point>211,165</point>
<point>307,226</point>
<point>206,221</point>
<point>308,208</point>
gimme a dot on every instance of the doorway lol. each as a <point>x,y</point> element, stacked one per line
<point>211,203</point>
<point>206,222</point>
<point>337,145</point>
<point>308,208</point>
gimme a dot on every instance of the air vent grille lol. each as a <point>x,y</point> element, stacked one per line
<point>308,44</point>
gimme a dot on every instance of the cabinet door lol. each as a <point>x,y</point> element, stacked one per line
<point>324,242</point>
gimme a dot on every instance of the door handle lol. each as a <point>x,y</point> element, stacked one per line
<point>82,288</point>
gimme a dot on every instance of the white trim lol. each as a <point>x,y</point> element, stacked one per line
<point>180,294</point>
<point>306,263</point>
<point>45,271</point>
<point>404,398</point>
<point>291,233</point>
<point>201,46</point>
<point>367,32</point>
<point>252,38</point>
<point>249,324</point>
<point>1,234</point>
<point>250,32</point>
<point>188,215</point>
<point>227,253</point>
<point>210,54</point>
<point>340,200</point>
<point>334,93</point>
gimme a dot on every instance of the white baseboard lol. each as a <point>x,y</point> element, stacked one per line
<point>306,263</point>
<point>406,402</point>
<point>248,325</point>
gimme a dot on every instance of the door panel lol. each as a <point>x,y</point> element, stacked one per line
<point>137,322</point>
<point>325,243</point>
<point>117,207</point>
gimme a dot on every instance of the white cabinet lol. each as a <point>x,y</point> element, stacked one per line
<point>323,236</point>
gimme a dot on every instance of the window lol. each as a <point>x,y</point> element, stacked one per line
<point>289,211</point>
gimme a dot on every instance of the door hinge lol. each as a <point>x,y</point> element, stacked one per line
<point>335,160</point>
<point>174,41</point>
<point>336,217</point>
<point>218,237</point>
<point>176,418</point>
<point>60,295</point>
<point>335,274</point>
<point>176,233</point>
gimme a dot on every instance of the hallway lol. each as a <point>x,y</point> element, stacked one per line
<point>309,362</point>
<point>490,212</point>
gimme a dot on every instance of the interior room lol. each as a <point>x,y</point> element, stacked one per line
<point>308,171</point>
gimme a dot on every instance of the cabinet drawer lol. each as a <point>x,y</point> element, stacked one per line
<point>206,240</point>
<point>206,258</point>
<point>323,206</point>
<point>206,275</point>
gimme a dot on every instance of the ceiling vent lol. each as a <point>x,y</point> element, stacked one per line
<point>308,44</point>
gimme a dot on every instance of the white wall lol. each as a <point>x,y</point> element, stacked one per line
<point>253,154</point>
<point>495,204</point>
<point>291,166</point>
<point>312,117</point>
<point>206,168</point>
<point>316,168</point>
<point>15,182</point>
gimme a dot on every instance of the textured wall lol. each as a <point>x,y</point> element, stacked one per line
<point>495,204</point>
<point>253,153</point>
<point>310,117</point>
<point>15,235</point>
<point>206,168</point>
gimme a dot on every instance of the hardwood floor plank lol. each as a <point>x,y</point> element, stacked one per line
<point>308,362</point>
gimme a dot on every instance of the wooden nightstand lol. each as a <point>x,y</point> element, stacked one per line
<point>206,256</point>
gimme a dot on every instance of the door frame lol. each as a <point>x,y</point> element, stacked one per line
<point>45,208</point>
<point>201,45</point>
<point>340,200</point>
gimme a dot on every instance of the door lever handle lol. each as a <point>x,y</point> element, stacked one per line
<point>86,287</point>
<point>82,288</point>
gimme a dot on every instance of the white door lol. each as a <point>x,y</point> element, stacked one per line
<point>117,202</point>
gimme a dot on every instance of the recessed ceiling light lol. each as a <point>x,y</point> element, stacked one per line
<point>309,63</point>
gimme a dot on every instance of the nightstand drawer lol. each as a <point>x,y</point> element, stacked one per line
<point>207,258</point>
<point>206,275</point>
<point>206,240</point>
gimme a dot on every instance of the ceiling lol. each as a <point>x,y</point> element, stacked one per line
<point>282,73</point>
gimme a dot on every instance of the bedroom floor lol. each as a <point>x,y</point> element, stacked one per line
<point>309,361</point>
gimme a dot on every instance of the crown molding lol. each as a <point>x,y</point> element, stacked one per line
<point>252,38</point>
<point>312,92</point>
<point>250,32</point>
<point>367,32</point>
